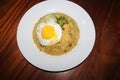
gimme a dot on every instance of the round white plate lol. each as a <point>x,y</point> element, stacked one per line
<point>55,63</point>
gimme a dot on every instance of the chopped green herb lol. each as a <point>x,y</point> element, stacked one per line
<point>62,20</point>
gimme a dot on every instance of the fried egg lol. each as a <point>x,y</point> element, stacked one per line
<point>49,33</point>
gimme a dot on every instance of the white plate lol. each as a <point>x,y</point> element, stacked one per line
<point>55,63</point>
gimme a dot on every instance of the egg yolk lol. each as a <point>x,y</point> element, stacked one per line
<point>48,32</point>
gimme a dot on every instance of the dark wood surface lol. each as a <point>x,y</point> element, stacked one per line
<point>102,64</point>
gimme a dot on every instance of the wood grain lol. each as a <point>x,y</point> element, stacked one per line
<point>102,64</point>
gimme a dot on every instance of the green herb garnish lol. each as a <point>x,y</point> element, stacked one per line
<point>62,20</point>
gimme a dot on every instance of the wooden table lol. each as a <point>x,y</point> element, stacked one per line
<point>102,64</point>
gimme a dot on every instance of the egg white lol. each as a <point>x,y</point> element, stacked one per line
<point>51,41</point>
